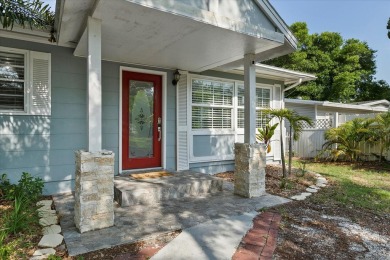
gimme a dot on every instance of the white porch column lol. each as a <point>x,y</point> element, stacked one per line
<point>250,99</point>
<point>94,177</point>
<point>336,119</point>
<point>250,157</point>
<point>94,93</point>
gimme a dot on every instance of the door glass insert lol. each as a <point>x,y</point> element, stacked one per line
<point>141,103</point>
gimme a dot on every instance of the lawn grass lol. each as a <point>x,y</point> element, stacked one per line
<point>354,185</point>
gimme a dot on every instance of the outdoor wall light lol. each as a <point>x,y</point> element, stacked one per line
<point>176,77</point>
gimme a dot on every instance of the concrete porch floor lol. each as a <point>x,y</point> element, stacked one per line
<point>139,222</point>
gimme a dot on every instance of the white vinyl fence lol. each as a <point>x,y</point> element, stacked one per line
<point>311,141</point>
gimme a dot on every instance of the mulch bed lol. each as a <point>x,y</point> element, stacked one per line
<point>273,179</point>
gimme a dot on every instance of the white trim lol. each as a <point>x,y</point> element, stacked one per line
<point>164,113</point>
<point>31,36</point>
<point>26,81</point>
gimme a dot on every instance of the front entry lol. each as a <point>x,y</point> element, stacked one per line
<point>141,120</point>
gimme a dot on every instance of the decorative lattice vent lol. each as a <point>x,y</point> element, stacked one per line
<point>319,124</point>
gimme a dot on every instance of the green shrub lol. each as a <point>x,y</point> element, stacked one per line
<point>5,250</point>
<point>28,187</point>
<point>21,216</point>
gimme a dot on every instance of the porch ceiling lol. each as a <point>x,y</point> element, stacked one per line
<point>136,32</point>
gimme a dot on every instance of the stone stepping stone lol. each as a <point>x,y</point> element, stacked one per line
<point>301,196</point>
<point>53,229</point>
<point>44,252</point>
<point>48,221</point>
<point>51,240</point>
<point>47,213</point>
<point>298,197</point>
<point>44,203</point>
<point>311,190</point>
<point>314,187</point>
<point>321,185</point>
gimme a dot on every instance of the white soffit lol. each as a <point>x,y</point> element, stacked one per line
<point>150,35</point>
<point>276,73</point>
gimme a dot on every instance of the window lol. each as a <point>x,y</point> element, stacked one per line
<point>24,82</point>
<point>12,81</point>
<point>263,100</point>
<point>212,104</point>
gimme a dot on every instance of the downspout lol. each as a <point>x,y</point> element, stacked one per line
<point>293,85</point>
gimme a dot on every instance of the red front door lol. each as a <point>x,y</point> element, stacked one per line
<point>141,120</point>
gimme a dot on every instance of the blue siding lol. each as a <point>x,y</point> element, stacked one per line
<point>213,167</point>
<point>44,145</point>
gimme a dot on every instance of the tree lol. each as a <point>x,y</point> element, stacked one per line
<point>373,90</point>
<point>388,28</point>
<point>341,66</point>
<point>296,122</point>
<point>24,12</point>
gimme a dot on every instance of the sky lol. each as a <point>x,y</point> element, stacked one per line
<point>365,20</point>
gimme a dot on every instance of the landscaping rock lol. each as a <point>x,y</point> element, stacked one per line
<point>46,251</point>
<point>51,240</point>
<point>53,229</point>
<point>306,194</point>
<point>48,221</point>
<point>39,257</point>
<point>298,197</point>
<point>321,185</point>
<point>46,213</point>
<point>314,187</point>
<point>311,190</point>
<point>45,203</point>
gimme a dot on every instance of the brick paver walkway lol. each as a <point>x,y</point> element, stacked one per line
<point>260,241</point>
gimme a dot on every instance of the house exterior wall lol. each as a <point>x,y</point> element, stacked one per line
<point>44,145</point>
<point>303,110</point>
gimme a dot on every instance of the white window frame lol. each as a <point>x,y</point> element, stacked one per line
<point>212,131</point>
<point>37,97</point>
<point>26,108</point>
<point>234,130</point>
<point>240,131</point>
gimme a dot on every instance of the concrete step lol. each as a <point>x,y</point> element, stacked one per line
<point>128,191</point>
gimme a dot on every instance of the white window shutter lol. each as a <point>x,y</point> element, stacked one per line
<point>182,152</point>
<point>275,141</point>
<point>40,83</point>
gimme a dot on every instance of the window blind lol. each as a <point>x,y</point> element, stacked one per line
<point>12,81</point>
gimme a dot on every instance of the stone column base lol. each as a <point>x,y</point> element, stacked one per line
<point>94,190</point>
<point>249,172</point>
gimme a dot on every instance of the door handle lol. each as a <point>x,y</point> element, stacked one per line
<point>159,128</point>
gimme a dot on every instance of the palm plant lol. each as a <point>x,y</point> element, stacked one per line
<point>265,134</point>
<point>347,139</point>
<point>296,125</point>
<point>380,133</point>
<point>25,12</point>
